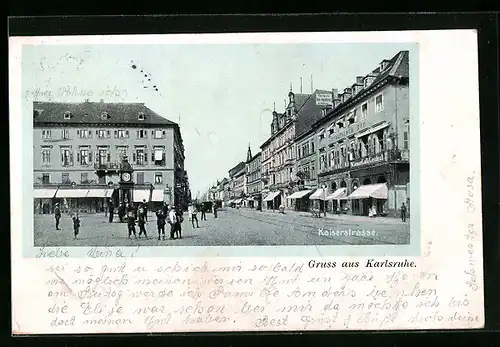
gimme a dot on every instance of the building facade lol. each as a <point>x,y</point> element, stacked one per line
<point>83,145</point>
<point>305,166</point>
<point>364,140</point>
<point>279,151</point>
<point>253,179</point>
<point>237,177</point>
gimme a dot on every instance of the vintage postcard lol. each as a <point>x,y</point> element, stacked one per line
<point>245,182</point>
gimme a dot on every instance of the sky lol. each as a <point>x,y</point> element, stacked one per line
<point>221,95</point>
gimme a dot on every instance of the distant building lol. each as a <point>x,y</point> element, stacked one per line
<point>237,177</point>
<point>253,179</point>
<point>363,143</point>
<point>79,149</point>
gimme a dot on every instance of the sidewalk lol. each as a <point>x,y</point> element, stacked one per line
<point>346,217</point>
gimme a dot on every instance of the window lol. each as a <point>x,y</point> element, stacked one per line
<point>67,115</point>
<point>379,103</point>
<point>312,147</point>
<point>322,136</point>
<point>142,134</point>
<point>121,152</point>
<point>340,124</point>
<point>102,133</point>
<point>364,110</point>
<point>66,157</point>
<point>65,178</point>
<point>84,177</point>
<point>65,134</point>
<point>102,179</point>
<point>84,134</point>
<point>140,177</point>
<point>45,178</point>
<point>84,156</point>
<point>158,178</point>
<point>121,134</point>
<point>158,156</point>
<point>331,129</point>
<point>158,134</point>
<point>405,139</point>
<point>46,156</point>
<point>46,134</point>
<point>140,157</point>
<point>140,116</point>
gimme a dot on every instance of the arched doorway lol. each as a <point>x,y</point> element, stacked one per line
<point>382,179</point>
<point>367,181</point>
<point>343,184</point>
<point>334,186</point>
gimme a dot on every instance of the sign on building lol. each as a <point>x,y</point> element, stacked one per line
<point>324,99</point>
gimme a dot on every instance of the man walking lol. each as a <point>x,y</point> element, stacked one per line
<point>172,220</point>
<point>403,212</point>
<point>215,211</point>
<point>193,213</point>
<point>57,215</point>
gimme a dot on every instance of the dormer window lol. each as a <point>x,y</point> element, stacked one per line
<point>67,115</point>
<point>104,116</point>
<point>141,116</point>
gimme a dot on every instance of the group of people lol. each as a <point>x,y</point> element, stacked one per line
<point>138,215</point>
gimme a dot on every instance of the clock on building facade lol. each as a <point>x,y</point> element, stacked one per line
<point>126,183</point>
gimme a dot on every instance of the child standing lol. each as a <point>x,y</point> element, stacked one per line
<point>160,221</point>
<point>131,224</point>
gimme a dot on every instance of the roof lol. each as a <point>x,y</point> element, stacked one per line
<point>240,166</point>
<point>309,113</point>
<point>91,113</point>
<point>397,67</point>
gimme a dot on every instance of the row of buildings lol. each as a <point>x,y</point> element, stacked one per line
<point>85,154</point>
<point>339,151</point>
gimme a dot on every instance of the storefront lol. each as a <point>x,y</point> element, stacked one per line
<point>301,199</point>
<point>319,199</point>
<point>44,200</point>
<point>336,199</point>
<point>371,196</point>
<point>273,200</point>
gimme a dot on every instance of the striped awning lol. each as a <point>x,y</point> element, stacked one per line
<point>44,193</point>
<point>141,194</point>
<point>376,191</point>
<point>237,201</point>
<point>338,194</point>
<point>319,194</point>
<point>157,195</point>
<point>72,193</point>
<point>300,194</point>
<point>271,196</point>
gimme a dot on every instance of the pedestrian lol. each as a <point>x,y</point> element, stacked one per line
<point>160,221</point>
<point>165,209</point>
<point>403,212</point>
<point>76,225</point>
<point>180,219</point>
<point>193,213</point>
<point>203,212</point>
<point>131,224</point>
<point>121,212</point>
<point>215,211</point>
<point>172,220</point>
<point>145,208</point>
<point>142,223</point>
<point>57,215</point>
<point>111,210</point>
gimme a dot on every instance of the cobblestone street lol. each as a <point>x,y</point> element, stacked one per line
<point>234,227</point>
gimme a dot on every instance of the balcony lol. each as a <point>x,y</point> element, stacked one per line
<point>108,166</point>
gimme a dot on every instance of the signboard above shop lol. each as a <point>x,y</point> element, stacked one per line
<point>324,99</point>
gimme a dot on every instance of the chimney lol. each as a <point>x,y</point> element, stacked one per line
<point>383,64</point>
<point>335,94</point>
<point>347,93</point>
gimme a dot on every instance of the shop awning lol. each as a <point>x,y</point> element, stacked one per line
<point>373,129</point>
<point>109,192</point>
<point>97,193</point>
<point>271,196</point>
<point>157,195</point>
<point>298,195</point>
<point>72,193</point>
<point>237,201</point>
<point>338,194</point>
<point>319,194</point>
<point>376,191</point>
<point>141,194</point>
<point>44,193</point>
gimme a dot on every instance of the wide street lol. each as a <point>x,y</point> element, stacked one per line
<point>233,227</point>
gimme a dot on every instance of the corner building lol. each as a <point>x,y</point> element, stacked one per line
<point>79,149</point>
<point>363,142</point>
